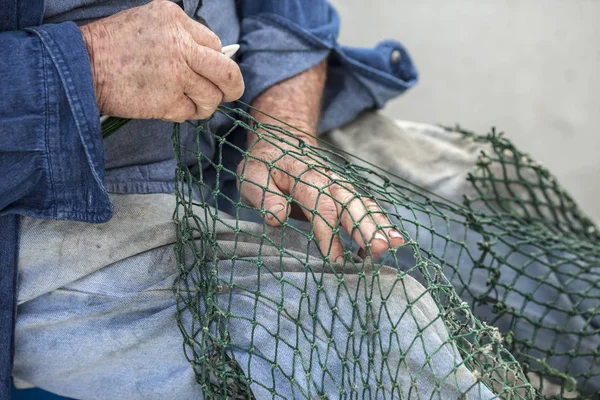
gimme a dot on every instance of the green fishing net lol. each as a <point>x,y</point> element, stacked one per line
<point>496,296</point>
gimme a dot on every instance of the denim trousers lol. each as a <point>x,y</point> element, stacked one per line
<point>96,308</point>
<point>550,287</point>
<point>96,316</point>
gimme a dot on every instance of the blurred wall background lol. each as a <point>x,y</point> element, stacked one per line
<point>529,67</point>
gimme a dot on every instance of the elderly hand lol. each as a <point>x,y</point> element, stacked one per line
<point>154,61</point>
<point>271,175</point>
<point>312,189</point>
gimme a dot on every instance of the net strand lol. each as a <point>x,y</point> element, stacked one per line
<point>497,297</point>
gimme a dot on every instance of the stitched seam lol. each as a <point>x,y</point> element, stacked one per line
<point>74,100</point>
<point>379,77</point>
<point>291,27</point>
<point>99,216</point>
<point>47,128</point>
<point>373,74</point>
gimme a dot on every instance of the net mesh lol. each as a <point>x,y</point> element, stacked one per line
<point>497,297</point>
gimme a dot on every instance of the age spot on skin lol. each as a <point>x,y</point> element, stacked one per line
<point>125,59</point>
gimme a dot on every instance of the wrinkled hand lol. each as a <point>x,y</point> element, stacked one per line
<point>154,61</point>
<point>338,201</point>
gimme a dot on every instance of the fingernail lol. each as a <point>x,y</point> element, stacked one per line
<point>380,236</point>
<point>274,210</point>
<point>339,260</point>
<point>395,234</point>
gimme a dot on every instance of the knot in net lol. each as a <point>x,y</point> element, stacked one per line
<point>495,295</point>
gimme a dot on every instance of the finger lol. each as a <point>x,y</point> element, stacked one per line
<point>201,34</point>
<point>325,219</point>
<point>205,95</point>
<point>394,237</point>
<point>181,110</point>
<point>363,219</point>
<point>260,191</point>
<point>218,69</point>
<point>356,219</point>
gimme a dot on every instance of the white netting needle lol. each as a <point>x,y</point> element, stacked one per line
<point>229,51</point>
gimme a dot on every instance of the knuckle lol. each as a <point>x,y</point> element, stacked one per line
<point>213,41</point>
<point>181,112</point>
<point>213,97</point>
<point>315,177</point>
<point>336,188</point>
<point>328,211</point>
<point>203,112</point>
<point>173,118</point>
<point>206,37</point>
<point>370,205</point>
<point>179,117</point>
<point>344,196</point>
<point>167,117</point>
<point>168,6</point>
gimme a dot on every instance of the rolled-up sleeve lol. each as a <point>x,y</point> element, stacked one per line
<point>51,155</point>
<point>282,38</point>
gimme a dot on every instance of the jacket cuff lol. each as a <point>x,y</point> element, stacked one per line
<point>274,48</point>
<point>269,41</point>
<point>74,137</point>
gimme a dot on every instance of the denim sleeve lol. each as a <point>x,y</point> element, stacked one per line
<point>282,38</point>
<point>51,155</point>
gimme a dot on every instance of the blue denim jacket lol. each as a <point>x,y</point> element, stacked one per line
<point>51,153</point>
